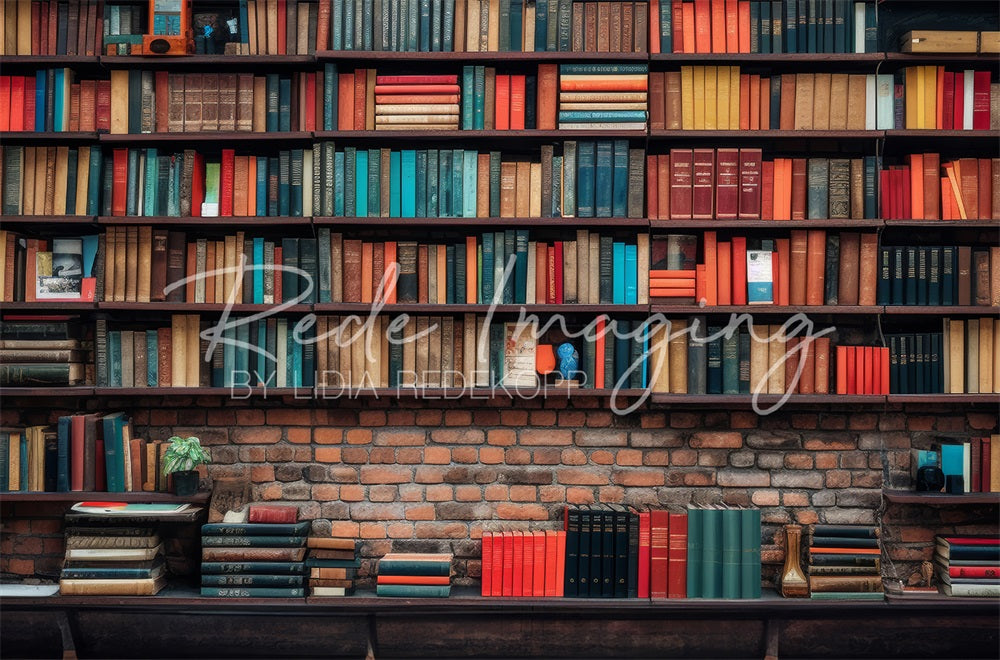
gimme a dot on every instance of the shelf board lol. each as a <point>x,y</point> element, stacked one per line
<point>946,224</point>
<point>43,392</point>
<point>205,60</point>
<point>527,134</point>
<point>486,56</point>
<point>939,58</point>
<point>941,133</point>
<point>425,308</point>
<point>194,308</point>
<point>765,399</point>
<point>767,224</point>
<point>217,136</point>
<point>242,221</point>
<point>770,58</point>
<point>939,499</point>
<point>49,60</point>
<point>47,136</point>
<point>47,219</point>
<point>992,399</point>
<point>84,496</point>
<point>482,223</point>
<point>766,135</point>
<point>42,306</point>
<point>235,391</point>
<point>832,310</point>
<point>457,393</point>
<point>936,310</point>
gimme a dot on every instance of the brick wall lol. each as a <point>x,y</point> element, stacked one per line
<point>429,475</point>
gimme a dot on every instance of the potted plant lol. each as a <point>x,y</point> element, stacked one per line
<point>180,460</point>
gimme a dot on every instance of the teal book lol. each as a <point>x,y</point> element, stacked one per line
<point>149,196</point>
<point>412,26</point>
<point>284,183</point>
<point>731,555</point>
<point>587,153</point>
<point>713,368</point>
<point>469,181</point>
<point>41,79</point>
<point>132,188</point>
<point>619,188</point>
<point>494,184</point>
<point>750,548</point>
<point>251,580</point>
<point>271,87</point>
<point>449,267</point>
<point>350,168</point>
<point>228,356</point>
<point>507,273</point>
<point>258,270</point>
<point>953,460</point>
<point>115,573</point>
<point>812,26</point>
<point>460,281</point>
<point>253,592</point>
<point>114,460</point>
<point>62,454</point>
<point>618,273</point>
<point>444,183</point>
<point>413,590</point>
<point>731,363</point>
<point>468,97</point>
<point>777,27</point>
<point>499,263</point>
<point>631,274</point>
<point>59,111</point>
<point>114,358</point>
<point>694,553</point>
<point>625,68</point>
<point>711,553</point>
<point>421,184</point>
<point>516,20</point>
<point>395,184</point>
<point>152,366</point>
<point>253,567</point>
<point>374,185</point>
<point>486,277</point>
<point>253,541</point>
<point>424,30</point>
<point>433,177</point>
<point>361,183</point>
<point>413,567</point>
<point>504,44</point>
<point>818,181</point>
<point>285,104</point>
<point>261,191</point>
<point>408,192</point>
<point>330,86</point>
<point>479,98</point>
<point>94,187</point>
<point>601,116</point>
<point>557,186</point>
<point>564,27</point>
<point>847,595</point>
<point>313,562</point>
<point>791,26</point>
<point>338,183</point>
<point>764,32</point>
<point>542,25</point>
<point>457,181</point>
<point>448,26</point>
<point>521,266</point>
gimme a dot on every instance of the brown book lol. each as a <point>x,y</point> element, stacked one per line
<point>804,89</point>
<point>331,543</point>
<point>850,256</point>
<point>955,345</point>
<point>867,269</point>
<point>786,115</point>
<point>244,117</point>
<point>969,186</point>
<point>226,112</point>
<point>838,102</point>
<point>815,267</point>
<point>857,188</point>
<point>178,350</point>
<point>112,587</point>
<point>331,582</point>
<point>994,268</point>
<point>848,583</point>
<point>61,176</point>
<point>797,266</point>
<point>259,117</point>
<point>986,349</point>
<point>522,189</point>
<point>775,353</point>
<point>672,100</point>
<point>121,259</point>
<point>994,184</point>
<point>385,185</point>
<point>981,264</point>
<point>964,275</point>
<point>329,573</point>
<point>490,99</point>
<point>822,87</point>
<point>657,100</point>
<point>209,102</point>
<point>176,102</point>
<point>252,554</point>
<point>88,105</point>
<point>352,271</point>
<point>192,351</point>
<point>193,92</point>
<point>678,351</point>
<point>985,205</point>
<point>856,95</point>
<point>821,351</point>
<point>548,90</point>
<point>508,189</point>
<point>336,267</point>
<point>932,186</point>
<point>800,185</point>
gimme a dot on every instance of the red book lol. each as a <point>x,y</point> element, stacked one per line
<point>677,556</point>
<point>688,25</point>
<point>548,95</point>
<point>29,104</point>
<point>739,271</point>
<point>948,101</point>
<point>663,186</point>
<point>53,27</point>
<point>643,554</point>
<point>496,580</point>
<point>885,206</point>
<point>939,99</point>
<point>553,583</point>
<point>767,190</point>
<point>517,99</point>
<point>360,90</point>
<point>727,184</point>
<point>100,469</point>
<point>700,283</point>
<point>560,561</point>
<point>986,474</point>
<point>517,580</point>
<point>985,189</point>
<point>743,27</point>
<point>273,513</point>
<point>815,266</point>
<point>821,362</point>
<point>807,358</point>
<point>907,208</point>
<point>76,452</point>
<point>702,26</point>
<point>724,284</point>
<point>974,571</point>
<point>659,542</point>
<point>310,101</point>
<point>17,103</point>
<point>711,269</point>
<point>323,33</point>
<point>876,370</point>
<point>718,25</point>
<point>599,352</point>
<point>278,260</point>
<point>855,369</point>
<point>502,103</point>
<point>779,267</point>
<point>558,265</point>
<point>867,386</point>
<point>744,101</point>
<point>227,172</point>
<point>970,540</point>
<point>681,164</point>
<point>119,181</point>
<point>959,112</point>
<point>652,201</point>
<point>417,89</point>
<point>487,564</point>
<point>508,564</point>
<point>754,103</point>
<point>732,27</point>
<point>703,181</point>
<point>750,171</point>
<point>677,14</point>
<point>198,185</point>
<point>528,564</point>
<point>981,101</point>
<point>282,27</point>
<point>444,79</point>
<point>797,264</point>
<point>654,22</point>
<point>5,103</point>
<point>103,106</point>
<point>345,102</point>
<point>550,289</point>
<point>538,577</point>
<point>842,361</point>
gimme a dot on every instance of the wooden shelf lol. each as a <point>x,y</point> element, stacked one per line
<point>764,224</point>
<point>234,61</point>
<point>482,223</point>
<point>241,221</point>
<point>49,60</point>
<point>100,496</point>
<point>940,58</point>
<point>42,306</point>
<point>219,136</point>
<point>235,391</point>
<point>939,499</point>
<point>945,224</point>
<point>47,219</point>
<point>992,399</point>
<point>47,136</point>
<point>815,310</point>
<point>527,134</point>
<point>459,393</point>
<point>819,59</point>
<point>50,392</point>
<point>940,133</point>
<point>485,56</point>
<point>765,399</point>
<point>425,308</point>
<point>766,135</point>
<point>938,310</point>
<point>194,308</point>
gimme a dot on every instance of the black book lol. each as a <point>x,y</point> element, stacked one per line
<point>623,351</point>
<point>831,281</point>
<point>583,553</point>
<point>896,295</point>
<point>922,272</point>
<point>307,262</point>
<point>697,356</point>
<point>632,590</point>
<point>570,580</point>
<point>290,259</point>
<point>603,578</point>
<point>621,563</point>
<point>406,285</point>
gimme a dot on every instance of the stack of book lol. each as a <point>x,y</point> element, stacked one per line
<point>524,563</point>
<point>844,562</point>
<point>333,564</point>
<point>862,370</point>
<point>968,565</point>
<point>259,558</point>
<point>935,98</point>
<point>417,102</point>
<point>673,268</point>
<point>603,96</point>
<point>723,553</point>
<point>43,351</point>
<point>926,188</point>
<point>414,575</point>
<point>112,560</point>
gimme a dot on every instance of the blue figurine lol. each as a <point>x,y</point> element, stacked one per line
<point>569,360</point>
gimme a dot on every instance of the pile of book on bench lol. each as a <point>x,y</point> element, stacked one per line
<point>259,557</point>
<point>414,575</point>
<point>112,560</point>
<point>968,565</point>
<point>844,562</point>
<point>333,565</point>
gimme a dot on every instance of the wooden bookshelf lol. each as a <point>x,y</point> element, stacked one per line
<point>839,223</point>
<point>814,60</point>
<point>939,499</point>
<point>443,57</point>
<point>103,496</point>
<point>238,137</point>
<point>36,220</point>
<point>482,223</point>
<point>264,222</point>
<point>200,61</point>
<point>763,135</point>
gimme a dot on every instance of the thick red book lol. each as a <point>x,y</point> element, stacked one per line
<point>16,116</point>
<point>518,578</point>
<point>750,171</point>
<point>718,25</point>
<point>855,369</point>
<point>643,554</point>
<point>732,27</point>
<point>487,564</point>
<point>508,564</point>
<point>443,79</point>
<point>654,22</point>
<point>739,270</point>
<point>29,105</point>
<point>663,179</point>
<point>703,180</point>
<point>884,365</point>
<point>842,361</point>
<point>724,281</point>
<point>688,27</point>
<point>807,358</point>
<point>599,352</point>
<point>798,264</point>
<point>981,101</point>
<point>5,103</point>
<point>974,571</point>
<point>700,284</point>
<point>548,95</point>
<point>743,25</point>
<point>77,457</point>
<point>876,370</point>
<point>558,279</point>
<point>948,101</point>
<point>345,102</point>
<point>553,583</point>
<point>681,169</point>
<point>976,464</point>
<point>496,580</point>
<point>745,112</point>
<point>323,14</point>
<point>659,543</point>
<point>360,90</point>
<point>560,561</point>
<point>702,27</point>
<point>767,190</point>
<point>986,471</point>
<point>103,106</point>
<point>959,112</point>
<point>710,247</point>
<point>310,102</point>
<point>867,386</point>
<point>501,102</point>
<point>119,181</point>
<point>657,100</point>
<point>652,200</point>
<point>197,185</point>
<point>282,27</point>
<point>227,172</point>
<point>517,102</point>
<point>538,567</point>
<point>727,184</point>
<point>677,556</point>
<point>550,277</point>
<point>273,513</point>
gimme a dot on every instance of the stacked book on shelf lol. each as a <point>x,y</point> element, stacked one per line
<point>615,96</point>
<point>333,566</point>
<point>939,275</point>
<point>924,187</point>
<point>968,565</point>
<point>41,350</point>
<point>416,102</point>
<point>933,98</point>
<point>75,187</point>
<point>261,557</point>
<point>112,559</point>
<point>969,463</point>
<point>414,575</point>
<point>56,28</point>
<point>844,562</point>
<point>863,370</point>
<point>523,563</point>
<point>56,269</point>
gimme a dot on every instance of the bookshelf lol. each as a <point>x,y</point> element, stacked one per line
<point>862,323</point>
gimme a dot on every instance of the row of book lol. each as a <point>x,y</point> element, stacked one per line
<point>934,98</point>
<point>54,28</point>
<point>939,275</point>
<point>333,566</point>
<point>724,98</point>
<point>863,370</point>
<point>962,359</point>
<point>731,183</point>
<point>968,565</point>
<point>768,26</point>
<point>414,575</point>
<point>410,102</point>
<point>523,563</point>
<point>844,562</point>
<point>972,460</point>
<point>27,357</point>
<point>600,96</point>
<point>39,269</point>
<point>968,189</point>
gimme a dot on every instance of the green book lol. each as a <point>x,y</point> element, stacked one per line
<point>253,592</point>
<point>847,595</point>
<point>253,541</point>
<point>413,590</point>
<point>251,580</point>
<point>750,554</point>
<point>210,207</point>
<point>694,553</point>
<point>711,553</point>
<point>731,555</point>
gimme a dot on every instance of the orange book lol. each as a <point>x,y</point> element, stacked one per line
<point>702,26</point>
<point>856,381</point>
<point>688,28</point>
<point>517,580</point>
<point>718,25</point>
<point>807,358</point>
<point>360,87</point>
<point>842,360</point>
<point>528,563</point>
<point>654,26</point>
<point>345,102</point>
<point>711,269</point>
<point>797,264</point>
<point>442,282</point>
<point>560,562</point>
<point>599,352</point>
<point>517,99</point>
<point>191,269</point>
<point>700,283</point>
<point>767,190</point>
<point>765,104</point>
<point>660,292</point>
<point>541,272</point>
<point>725,280</point>
<point>551,560</point>
<point>414,579</point>
<point>671,274</point>
<point>502,103</point>
<point>672,282</point>
<point>743,21</point>
<point>753,83</point>
<point>917,186</point>
<point>366,272</point>
<point>496,581</point>
<point>744,102</point>
<point>548,94</point>
<point>821,360</point>
<point>782,274</point>
<point>663,186</point>
<point>815,266</point>
<point>538,577</point>
<point>867,386</point>
<point>251,184</point>
<point>389,295</point>
<point>733,27</point>
<point>947,200</point>
<point>486,572</point>
<point>786,117</point>
<point>652,203</point>
<point>884,370</point>
<point>610,85</point>
<point>471,281</point>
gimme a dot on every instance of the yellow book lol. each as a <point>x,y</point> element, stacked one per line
<point>119,101</point>
<point>930,96</point>
<point>528,29</point>
<point>699,98</point>
<point>911,80</point>
<point>711,98</point>
<point>986,354</point>
<point>24,27</point>
<point>687,98</point>
<point>734,98</point>
<point>82,180</point>
<point>722,94</point>
<point>775,355</point>
<point>804,86</point>
<point>62,176</point>
<point>919,100</point>
<point>956,356</point>
<point>472,29</point>
<point>660,375</point>
<point>678,348</point>
<point>493,36</point>
<point>14,459</point>
<point>535,191</point>
<point>822,86</point>
<point>996,368</point>
<point>178,348</point>
<point>759,358</point>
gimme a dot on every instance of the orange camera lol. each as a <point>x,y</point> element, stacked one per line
<point>169,28</point>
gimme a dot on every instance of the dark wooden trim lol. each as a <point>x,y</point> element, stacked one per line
<point>43,392</point>
<point>47,219</point>
<point>767,400</point>
<point>482,223</point>
<point>242,221</point>
<point>768,58</point>
<point>84,496</point>
<point>457,134</point>
<point>944,398</point>
<point>193,308</point>
<point>7,137</point>
<point>939,499</point>
<point>484,56</point>
<point>938,310</point>
<point>235,61</point>
<point>924,133</point>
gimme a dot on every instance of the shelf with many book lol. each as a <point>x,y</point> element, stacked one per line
<point>487,57</point>
<point>715,223</point>
<point>282,137</point>
<point>532,222</point>
<point>838,60</point>
<point>195,307</point>
<point>986,135</point>
<point>42,220</point>
<point>939,499</point>
<point>238,220</point>
<point>102,496</point>
<point>193,61</point>
<point>938,310</point>
<point>987,399</point>
<point>766,400</point>
<point>47,392</point>
<point>476,134</point>
<point>775,134</point>
<point>772,310</point>
<point>451,308</point>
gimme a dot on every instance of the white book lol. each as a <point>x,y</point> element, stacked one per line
<point>482,352</point>
<point>307,182</point>
<point>760,278</point>
<point>859,27</point>
<point>967,81</point>
<point>870,101</point>
<point>529,293</point>
<point>281,346</point>
<point>327,591</point>
<point>973,590</point>
<point>883,102</point>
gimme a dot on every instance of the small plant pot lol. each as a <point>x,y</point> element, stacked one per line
<point>186,482</point>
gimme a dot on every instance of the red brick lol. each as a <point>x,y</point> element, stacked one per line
<point>411,493</point>
<point>289,417</point>
<point>371,418</point>
<point>628,457</point>
<point>28,545</point>
<point>421,512</point>
<point>684,420</point>
<point>440,530</point>
<point>457,437</point>
<point>502,437</point>
<point>542,417</point>
<point>278,454</point>
<point>439,493</point>
<point>833,422</point>
<point>713,457</point>
<point>409,455</point>
<point>466,493</point>
<point>372,530</point>
<point>43,526</point>
<point>385,475</point>
<point>495,493</point>
<point>344,528</point>
<point>400,418</point>
<point>328,436</point>
<point>699,478</point>
<point>579,496</point>
<point>915,423</point>
<point>795,499</point>
<point>21,566</point>
<point>799,461</point>
<point>551,494</point>
<point>601,438</point>
<point>261,473</point>
<point>517,456</point>
<point>602,457</point>
<point>765,498</point>
<point>545,437</point>
<point>325,492</point>
<point>393,438</point>
<point>598,418</point>
<point>271,492</point>
<point>437,455</point>
<point>299,435</point>
<point>429,475</point>
<point>644,478</point>
<point>893,422</point>
<point>464,455</point>
<point>825,461</point>
<point>221,417</point>
<point>381,455</point>
<point>169,418</point>
<point>838,443</point>
<point>457,417</point>
<point>862,421</point>
<point>572,418</point>
<point>514,418</point>
<point>683,457</point>
<point>256,435</point>
<point>742,420</point>
<point>509,511</point>
<point>354,455</point>
<point>489,455</point>
<point>981,421</point>
<point>653,420</point>
<point>400,530</point>
<point>522,493</point>
<point>916,534</point>
<point>573,457</point>
<point>806,517</point>
<point>656,457</point>
<point>716,439</point>
<point>352,493</point>
<point>359,436</point>
<point>578,476</point>
<point>547,456</point>
<point>328,454</point>
<point>383,494</point>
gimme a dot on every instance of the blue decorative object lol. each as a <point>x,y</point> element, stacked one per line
<point>569,360</point>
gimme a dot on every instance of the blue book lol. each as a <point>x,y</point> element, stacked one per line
<point>228,356</point>
<point>469,184</point>
<point>408,192</point>
<point>437,22</point>
<point>424,40</point>
<point>348,21</point>
<point>114,463</point>
<point>619,196</point>
<point>412,26</point>
<point>261,343</point>
<point>261,192</point>
<point>541,25</point>
<point>486,279</point>
<point>89,246</point>
<point>508,272</point>
<point>4,461</point>
<point>350,158</point>
<point>457,180</point>
<point>666,28</point>
<point>828,43</point>
<point>494,184</point>
<point>149,183</point>
<point>468,97</point>
<point>812,26</point>
<point>273,102</point>
<point>361,183</point>
<point>631,275</point>
<point>295,187</point>
<point>330,90</point>
<point>421,184</point>
<point>63,432</point>
<point>40,81</point>
<point>520,266</point>
<point>586,161</point>
<point>152,366</point>
<point>244,23</point>
<point>258,270</point>
<point>953,460</point>
<point>479,98</point>
<point>448,26</point>
<point>516,12</point>
<point>791,26</point>
<point>395,184</point>
<point>618,273</point>
<point>242,353</point>
<point>604,178</point>
<point>433,211</point>
<point>93,191</point>
<point>444,183</point>
<point>373,184</point>
<point>59,109</point>
<point>338,183</point>
<point>765,27</point>
<point>598,116</point>
<point>114,358</point>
